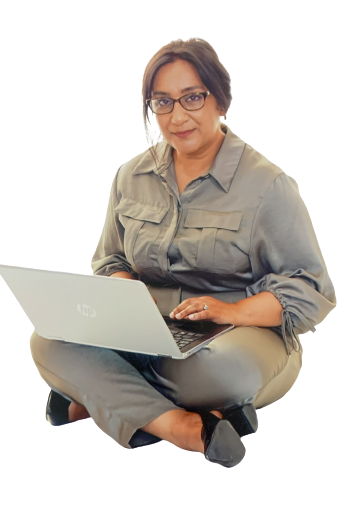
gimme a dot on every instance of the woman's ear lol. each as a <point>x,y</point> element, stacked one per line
<point>221,111</point>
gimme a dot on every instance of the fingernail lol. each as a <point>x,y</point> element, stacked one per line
<point>172,315</point>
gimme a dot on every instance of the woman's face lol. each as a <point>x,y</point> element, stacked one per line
<point>172,79</point>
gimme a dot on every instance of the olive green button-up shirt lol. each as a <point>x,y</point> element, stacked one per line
<point>237,230</point>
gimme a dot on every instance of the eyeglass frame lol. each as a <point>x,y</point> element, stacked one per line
<point>205,94</point>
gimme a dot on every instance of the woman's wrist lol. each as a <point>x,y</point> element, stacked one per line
<point>262,310</point>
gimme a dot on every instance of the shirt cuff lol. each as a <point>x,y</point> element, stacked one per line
<point>287,324</point>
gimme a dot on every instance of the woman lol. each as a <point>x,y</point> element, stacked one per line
<point>217,232</point>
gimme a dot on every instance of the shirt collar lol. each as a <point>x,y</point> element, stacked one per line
<point>223,167</point>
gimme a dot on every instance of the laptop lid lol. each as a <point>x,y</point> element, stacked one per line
<point>115,313</point>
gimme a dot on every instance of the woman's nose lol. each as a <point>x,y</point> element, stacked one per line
<point>178,112</point>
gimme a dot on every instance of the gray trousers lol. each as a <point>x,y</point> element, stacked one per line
<point>124,391</point>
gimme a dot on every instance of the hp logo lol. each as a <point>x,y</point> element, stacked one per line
<point>86,310</point>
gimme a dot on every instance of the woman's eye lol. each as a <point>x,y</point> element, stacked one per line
<point>193,97</point>
<point>162,102</point>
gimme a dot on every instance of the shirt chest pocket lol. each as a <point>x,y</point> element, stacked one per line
<point>142,223</point>
<point>214,237</point>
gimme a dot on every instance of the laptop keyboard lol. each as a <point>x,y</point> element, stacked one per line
<point>182,337</point>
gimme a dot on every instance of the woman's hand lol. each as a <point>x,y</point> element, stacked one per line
<point>218,311</point>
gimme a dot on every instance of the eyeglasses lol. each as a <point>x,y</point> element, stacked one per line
<point>191,102</point>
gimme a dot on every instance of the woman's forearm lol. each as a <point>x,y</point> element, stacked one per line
<point>263,310</point>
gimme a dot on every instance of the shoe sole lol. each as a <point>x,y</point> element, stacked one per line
<point>226,447</point>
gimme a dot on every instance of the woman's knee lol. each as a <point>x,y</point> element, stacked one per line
<point>76,362</point>
<point>232,369</point>
<point>50,352</point>
<point>38,345</point>
<point>211,378</point>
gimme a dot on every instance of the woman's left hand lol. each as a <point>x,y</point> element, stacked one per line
<point>218,311</point>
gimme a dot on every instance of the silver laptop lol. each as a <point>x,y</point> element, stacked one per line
<point>106,312</point>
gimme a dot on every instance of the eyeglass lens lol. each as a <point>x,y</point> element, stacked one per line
<point>190,102</point>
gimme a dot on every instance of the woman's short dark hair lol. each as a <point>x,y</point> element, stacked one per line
<point>203,57</point>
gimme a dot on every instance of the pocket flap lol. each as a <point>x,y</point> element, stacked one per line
<point>138,211</point>
<point>200,218</point>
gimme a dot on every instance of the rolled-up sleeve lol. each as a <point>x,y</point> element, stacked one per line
<point>286,260</point>
<point>109,257</point>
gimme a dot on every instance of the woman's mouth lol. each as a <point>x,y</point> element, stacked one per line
<point>183,134</point>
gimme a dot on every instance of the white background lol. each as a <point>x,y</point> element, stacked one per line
<point>326,481</point>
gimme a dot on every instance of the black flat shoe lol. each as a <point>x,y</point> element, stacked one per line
<point>222,443</point>
<point>143,438</point>
<point>57,409</point>
<point>57,414</point>
<point>244,419</point>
